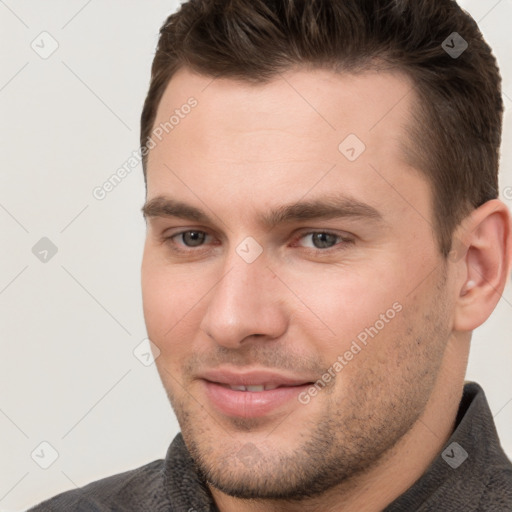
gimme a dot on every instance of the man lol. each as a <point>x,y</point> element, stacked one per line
<point>324,235</point>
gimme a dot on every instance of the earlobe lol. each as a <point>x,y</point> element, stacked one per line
<point>484,265</point>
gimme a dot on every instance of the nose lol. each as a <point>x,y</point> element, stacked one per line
<point>247,302</point>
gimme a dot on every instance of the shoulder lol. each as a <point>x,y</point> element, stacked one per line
<point>490,469</point>
<point>484,478</point>
<point>143,487</point>
<point>497,494</point>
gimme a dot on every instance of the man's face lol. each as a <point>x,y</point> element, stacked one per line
<point>300,261</point>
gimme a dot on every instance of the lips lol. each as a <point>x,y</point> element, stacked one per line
<point>252,393</point>
<point>253,378</point>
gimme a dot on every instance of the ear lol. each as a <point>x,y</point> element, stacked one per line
<point>484,257</point>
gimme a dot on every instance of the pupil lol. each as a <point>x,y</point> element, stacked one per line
<point>323,240</point>
<point>193,238</point>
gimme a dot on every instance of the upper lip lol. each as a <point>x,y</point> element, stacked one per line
<point>252,378</point>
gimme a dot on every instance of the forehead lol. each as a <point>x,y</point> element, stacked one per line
<point>240,139</point>
<point>312,103</point>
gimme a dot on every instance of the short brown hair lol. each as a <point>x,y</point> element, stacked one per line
<point>456,137</point>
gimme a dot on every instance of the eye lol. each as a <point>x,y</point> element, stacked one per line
<point>192,238</point>
<point>321,240</point>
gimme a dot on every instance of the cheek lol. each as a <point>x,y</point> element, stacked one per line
<point>168,295</point>
<point>345,304</point>
<point>174,302</point>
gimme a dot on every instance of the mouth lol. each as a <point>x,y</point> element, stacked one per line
<point>252,394</point>
<point>258,388</point>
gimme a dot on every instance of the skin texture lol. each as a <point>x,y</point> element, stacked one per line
<point>243,151</point>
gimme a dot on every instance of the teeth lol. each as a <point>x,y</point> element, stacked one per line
<point>256,389</point>
<point>237,388</point>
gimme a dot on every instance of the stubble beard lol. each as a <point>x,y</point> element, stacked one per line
<point>361,423</point>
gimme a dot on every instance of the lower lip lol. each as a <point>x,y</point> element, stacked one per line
<point>250,404</point>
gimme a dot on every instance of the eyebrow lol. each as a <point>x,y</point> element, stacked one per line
<point>328,207</point>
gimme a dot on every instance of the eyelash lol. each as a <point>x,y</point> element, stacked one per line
<point>342,240</point>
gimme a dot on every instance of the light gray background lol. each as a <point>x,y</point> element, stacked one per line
<point>69,326</point>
